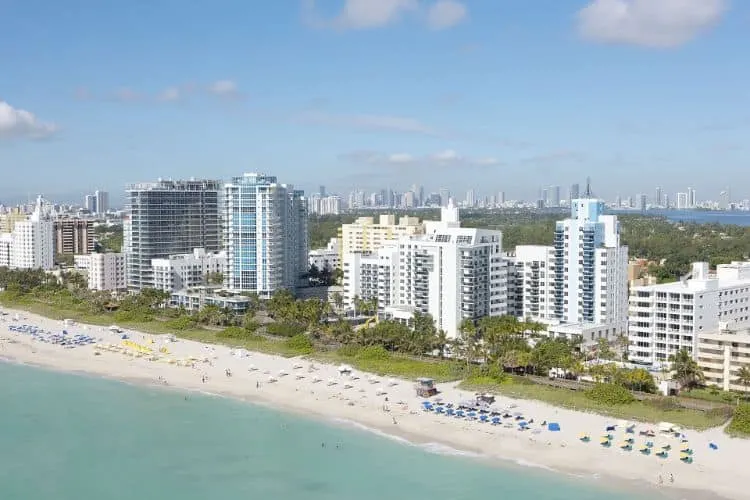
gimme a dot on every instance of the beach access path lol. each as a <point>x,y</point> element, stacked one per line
<point>391,406</point>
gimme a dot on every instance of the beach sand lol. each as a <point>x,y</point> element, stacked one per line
<point>357,399</point>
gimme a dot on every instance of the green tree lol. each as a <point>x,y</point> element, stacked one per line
<point>686,369</point>
<point>743,377</point>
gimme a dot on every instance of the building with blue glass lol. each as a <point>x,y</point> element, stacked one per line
<point>265,234</point>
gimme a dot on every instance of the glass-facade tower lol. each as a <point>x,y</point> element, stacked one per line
<point>165,218</point>
<point>265,234</point>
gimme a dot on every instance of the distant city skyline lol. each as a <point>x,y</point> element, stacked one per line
<point>486,93</point>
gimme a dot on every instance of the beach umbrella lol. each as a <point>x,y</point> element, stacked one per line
<point>553,426</point>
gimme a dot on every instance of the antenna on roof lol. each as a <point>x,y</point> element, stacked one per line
<point>588,193</point>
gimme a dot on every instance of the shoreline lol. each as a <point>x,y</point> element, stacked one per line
<point>356,405</point>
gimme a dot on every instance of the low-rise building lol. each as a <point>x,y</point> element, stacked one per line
<point>197,298</point>
<point>721,356</point>
<point>178,272</point>
<point>327,258</point>
<point>106,271</point>
<point>666,318</point>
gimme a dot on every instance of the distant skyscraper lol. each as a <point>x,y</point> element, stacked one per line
<point>90,203</point>
<point>102,201</point>
<point>682,201</point>
<point>470,198</point>
<point>725,199</point>
<point>665,197</point>
<point>445,195</point>
<point>618,201</point>
<point>553,196</point>
<point>165,218</point>
<point>641,199</point>
<point>501,197</point>
<point>657,199</point>
<point>265,234</point>
<point>322,191</point>
<point>544,198</point>
<point>691,202</point>
<point>575,192</point>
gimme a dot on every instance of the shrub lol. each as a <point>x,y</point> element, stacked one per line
<point>285,329</point>
<point>610,394</point>
<point>132,316</point>
<point>349,350</point>
<point>740,424</point>
<point>237,333</point>
<point>250,325</point>
<point>182,323</point>
<point>373,353</point>
<point>300,343</point>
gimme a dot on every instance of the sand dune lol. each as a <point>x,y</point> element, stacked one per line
<point>391,406</point>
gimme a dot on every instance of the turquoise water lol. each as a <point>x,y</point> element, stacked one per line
<point>71,437</point>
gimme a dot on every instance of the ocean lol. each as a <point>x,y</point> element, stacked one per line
<point>736,218</point>
<point>78,437</point>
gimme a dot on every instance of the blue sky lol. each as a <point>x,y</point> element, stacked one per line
<point>492,94</point>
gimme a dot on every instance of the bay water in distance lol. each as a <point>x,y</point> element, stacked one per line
<point>73,437</point>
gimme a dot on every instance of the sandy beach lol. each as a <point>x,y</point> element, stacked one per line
<point>390,406</point>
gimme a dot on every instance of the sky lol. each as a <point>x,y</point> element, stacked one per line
<point>493,95</point>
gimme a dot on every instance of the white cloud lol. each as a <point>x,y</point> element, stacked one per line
<point>445,14</point>
<point>441,159</point>
<point>372,14</point>
<point>170,94</point>
<point>367,122</point>
<point>224,88</point>
<point>21,124</point>
<point>648,23</point>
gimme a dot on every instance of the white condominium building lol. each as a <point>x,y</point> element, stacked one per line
<point>581,280</point>
<point>106,271</point>
<point>265,234</point>
<point>325,258</point>
<point>366,235</point>
<point>178,272</point>
<point>669,317</point>
<point>451,273</point>
<point>371,275</point>
<point>31,244</point>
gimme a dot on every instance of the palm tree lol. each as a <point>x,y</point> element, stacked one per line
<point>743,377</point>
<point>686,369</point>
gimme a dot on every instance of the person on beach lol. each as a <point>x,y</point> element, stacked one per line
<point>660,480</point>
<point>671,478</point>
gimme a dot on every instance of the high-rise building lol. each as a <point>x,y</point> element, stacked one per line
<point>102,202</point>
<point>501,197</point>
<point>658,200</point>
<point>691,201</point>
<point>553,197</point>
<point>31,243</point>
<point>450,272</point>
<point>725,199</point>
<point>682,201</point>
<point>322,191</point>
<point>445,195</point>
<point>575,191</point>
<point>89,203</point>
<point>166,218</point>
<point>642,201</point>
<point>265,234</point>
<point>579,283</point>
<point>669,317</point>
<point>470,198</point>
<point>74,236</point>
